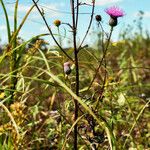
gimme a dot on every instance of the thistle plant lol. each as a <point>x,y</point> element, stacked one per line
<point>114,13</point>
<point>75,13</point>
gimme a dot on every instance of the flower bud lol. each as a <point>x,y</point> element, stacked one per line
<point>67,68</point>
<point>57,23</point>
<point>98,18</point>
<point>113,21</point>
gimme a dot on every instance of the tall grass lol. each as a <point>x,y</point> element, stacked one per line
<point>77,98</point>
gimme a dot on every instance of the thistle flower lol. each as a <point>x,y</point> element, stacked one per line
<point>114,12</point>
<point>57,23</point>
<point>67,68</point>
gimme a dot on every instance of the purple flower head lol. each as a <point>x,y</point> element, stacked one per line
<point>114,12</point>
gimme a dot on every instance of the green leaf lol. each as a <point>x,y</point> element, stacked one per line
<point>121,99</point>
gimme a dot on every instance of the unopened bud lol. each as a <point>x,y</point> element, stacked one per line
<point>57,23</point>
<point>113,21</point>
<point>67,68</point>
<point>98,18</point>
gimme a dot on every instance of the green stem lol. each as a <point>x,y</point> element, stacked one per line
<point>13,58</point>
<point>59,37</point>
<point>13,54</point>
<point>7,21</point>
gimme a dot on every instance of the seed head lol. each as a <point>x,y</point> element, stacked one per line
<point>57,23</point>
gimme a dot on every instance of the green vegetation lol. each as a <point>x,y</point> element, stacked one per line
<point>101,103</point>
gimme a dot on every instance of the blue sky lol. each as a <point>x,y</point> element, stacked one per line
<point>59,9</point>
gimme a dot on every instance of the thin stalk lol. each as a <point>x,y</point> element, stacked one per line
<point>50,31</point>
<point>70,130</point>
<point>77,13</point>
<point>13,78</point>
<point>59,36</point>
<point>90,23</point>
<point>15,17</point>
<point>20,26</point>
<point>105,76</point>
<point>104,55</point>
<point>77,73</point>
<point>135,122</point>
<point>12,120</point>
<point>13,45</point>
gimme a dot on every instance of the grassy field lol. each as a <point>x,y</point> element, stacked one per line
<point>80,97</point>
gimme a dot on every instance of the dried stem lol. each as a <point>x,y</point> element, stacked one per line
<point>77,13</point>
<point>103,58</point>
<point>74,21</point>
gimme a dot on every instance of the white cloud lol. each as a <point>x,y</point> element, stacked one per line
<point>103,2</point>
<point>25,8</point>
<point>52,9</point>
<point>22,8</point>
<point>48,9</point>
